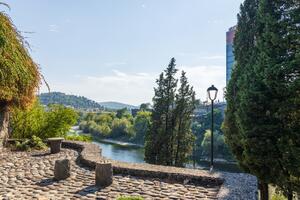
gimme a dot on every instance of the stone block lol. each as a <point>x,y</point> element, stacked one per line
<point>104,174</point>
<point>61,169</point>
<point>55,144</point>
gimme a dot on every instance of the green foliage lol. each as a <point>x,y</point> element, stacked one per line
<point>76,137</point>
<point>23,146</point>
<point>77,102</point>
<point>170,139</point>
<point>54,121</point>
<point>142,124</point>
<point>121,127</point>
<point>130,198</point>
<point>220,148</point>
<point>37,143</point>
<point>263,96</point>
<point>28,144</point>
<point>19,75</point>
<point>122,113</point>
<point>278,197</point>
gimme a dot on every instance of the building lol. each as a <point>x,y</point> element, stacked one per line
<point>229,52</point>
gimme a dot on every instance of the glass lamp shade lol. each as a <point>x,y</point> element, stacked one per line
<point>212,92</point>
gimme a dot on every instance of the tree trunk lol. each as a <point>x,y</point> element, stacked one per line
<point>290,192</point>
<point>4,123</point>
<point>264,191</point>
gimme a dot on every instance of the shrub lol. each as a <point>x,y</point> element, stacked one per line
<point>23,146</point>
<point>53,121</point>
<point>28,144</point>
<point>37,143</point>
<point>76,137</point>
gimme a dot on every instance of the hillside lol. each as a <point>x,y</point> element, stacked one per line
<point>78,102</point>
<point>116,105</point>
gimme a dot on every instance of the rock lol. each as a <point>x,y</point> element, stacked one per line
<point>104,174</point>
<point>61,169</point>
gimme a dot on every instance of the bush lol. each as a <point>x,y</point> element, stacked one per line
<point>37,143</point>
<point>53,121</point>
<point>76,137</point>
<point>130,198</point>
<point>22,146</point>
<point>28,144</point>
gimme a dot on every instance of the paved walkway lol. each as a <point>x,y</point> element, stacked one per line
<point>26,175</point>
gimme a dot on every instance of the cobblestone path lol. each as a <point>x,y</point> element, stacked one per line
<point>26,175</point>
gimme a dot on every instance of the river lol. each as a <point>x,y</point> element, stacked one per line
<point>126,153</point>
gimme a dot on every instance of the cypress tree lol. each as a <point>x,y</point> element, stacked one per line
<point>170,139</point>
<point>278,66</point>
<point>159,146</point>
<point>262,117</point>
<point>153,135</point>
<point>185,106</point>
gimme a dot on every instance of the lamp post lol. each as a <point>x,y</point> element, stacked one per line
<point>212,95</point>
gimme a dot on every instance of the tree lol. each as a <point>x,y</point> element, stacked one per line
<point>170,140</point>
<point>159,147</point>
<point>145,106</point>
<point>185,106</point>
<point>19,75</point>
<point>141,126</point>
<point>259,126</point>
<point>122,113</point>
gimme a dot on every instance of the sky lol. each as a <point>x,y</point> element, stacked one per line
<point>114,50</point>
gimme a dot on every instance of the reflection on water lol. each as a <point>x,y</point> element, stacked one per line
<point>122,153</point>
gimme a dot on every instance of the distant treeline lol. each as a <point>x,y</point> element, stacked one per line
<point>77,102</point>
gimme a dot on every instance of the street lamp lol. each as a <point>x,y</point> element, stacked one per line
<point>212,95</point>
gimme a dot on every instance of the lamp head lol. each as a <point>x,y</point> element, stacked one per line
<point>212,92</point>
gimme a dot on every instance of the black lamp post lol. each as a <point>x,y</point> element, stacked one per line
<point>212,95</point>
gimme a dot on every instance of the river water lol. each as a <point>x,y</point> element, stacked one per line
<point>126,153</point>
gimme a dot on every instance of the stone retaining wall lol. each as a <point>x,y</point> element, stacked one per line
<point>90,154</point>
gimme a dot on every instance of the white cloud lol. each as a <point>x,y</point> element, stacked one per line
<point>53,28</point>
<point>136,88</point>
<point>201,77</point>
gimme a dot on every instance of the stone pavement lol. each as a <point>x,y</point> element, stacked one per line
<point>28,175</point>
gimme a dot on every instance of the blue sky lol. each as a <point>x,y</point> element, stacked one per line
<point>113,50</point>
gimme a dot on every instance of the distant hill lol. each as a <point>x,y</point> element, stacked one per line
<point>116,105</point>
<point>78,102</point>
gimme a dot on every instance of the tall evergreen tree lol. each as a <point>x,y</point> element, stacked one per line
<point>278,68</point>
<point>185,106</point>
<point>262,115</point>
<point>153,135</point>
<point>159,141</point>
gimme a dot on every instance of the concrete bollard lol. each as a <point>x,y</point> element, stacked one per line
<point>55,144</point>
<point>61,169</point>
<point>104,174</point>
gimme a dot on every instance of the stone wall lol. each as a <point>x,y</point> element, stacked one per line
<point>90,154</point>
